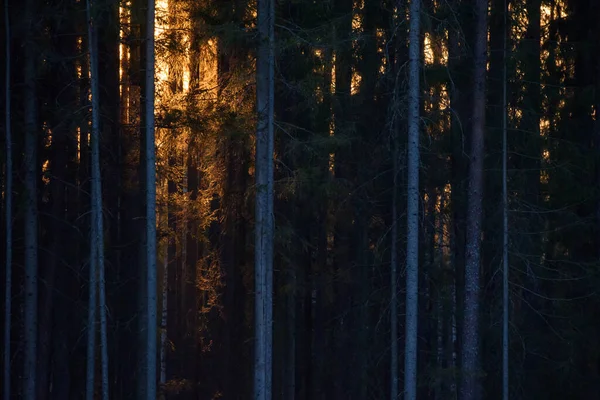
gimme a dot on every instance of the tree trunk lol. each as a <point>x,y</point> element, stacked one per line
<point>164,222</point>
<point>8,212</point>
<point>264,223</point>
<point>97,228</point>
<point>412,243</point>
<point>470,364</point>
<point>93,281</point>
<point>505,287</point>
<point>150,211</point>
<point>31,212</point>
<point>394,278</point>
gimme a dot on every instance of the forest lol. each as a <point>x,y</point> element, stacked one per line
<point>300,199</point>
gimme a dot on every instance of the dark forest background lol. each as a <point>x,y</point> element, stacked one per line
<point>340,121</point>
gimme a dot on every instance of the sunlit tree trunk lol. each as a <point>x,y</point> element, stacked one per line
<point>150,210</point>
<point>8,211</point>
<point>31,212</point>
<point>264,223</point>
<point>412,243</point>
<point>470,357</point>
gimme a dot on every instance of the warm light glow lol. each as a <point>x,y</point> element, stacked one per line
<point>78,143</point>
<point>160,30</point>
<point>186,79</point>
<point>381,49</point>
<point>429,59</point>
<point>546,155</point>
<point>357,17</point>
<point>544,177</point>
<point>515,114</point>
<point>45,175</point>
<point>355,83</point>
<point>331,155</point>
<point>544,126</point>
<point>333,73</point>
<point>209,72</point>
<point>121,51</point>
<point>356,22</point>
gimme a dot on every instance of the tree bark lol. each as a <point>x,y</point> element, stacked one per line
<point>470,358</point>
<point>505,287</point>
<point>97,227</point>
<point>31,212</point>
<point>394,279</point>
<point>164,222</point>
<point>264,223</point>
<point>8,211</point>
<point>150,178</point>
<point>412,243</point>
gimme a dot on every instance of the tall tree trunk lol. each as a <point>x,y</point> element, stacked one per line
<point>97,228</point>
<point>597,145</point>
<point>412,242</point>
<point>505,287</point>
<point>264,223</point>
<point>470,363</point>
<point>164,222</point>
<point>460,122</point>
<point>8,211</point>
<point>163,327</point>
<point>150,211</point>
<point>394,278</point>
<point>31,212</point>
<point>290,357</point>
<point>93,281</point>
<point>343,125</point>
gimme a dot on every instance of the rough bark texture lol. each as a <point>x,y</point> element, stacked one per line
<point>394,284</point>
<point>412,244</point>
<point>470,364</point>
<point>150,178</point>
<point>264,228</point>
<point>97,228</point>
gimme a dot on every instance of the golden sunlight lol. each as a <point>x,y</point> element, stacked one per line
<point>429,59</point>
<point>355,83</point>
<point>160,29</point>
<point>209,67</point>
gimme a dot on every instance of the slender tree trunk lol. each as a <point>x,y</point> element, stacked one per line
<point>505,288</point>
<point>165,293</point>
<point>264,224</point>
<point>93,281</point>
<point>31,212</point>
<point>597,144</point>
<point>150,210</point>
<point>97,231</point>
<point>459,102</point>
<point>412,243</point>
<point>290,363</point>
<point>394,279</point>
<point>8,210</point>
<point>163,326</point>
<point>470,358</point>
